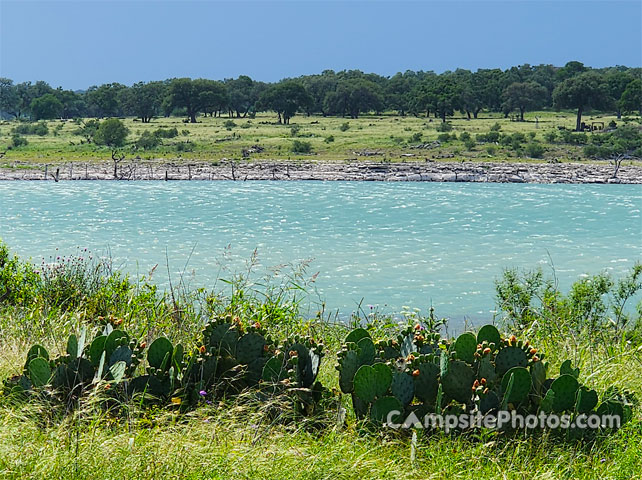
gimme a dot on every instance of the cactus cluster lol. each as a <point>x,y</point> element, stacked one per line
<point>416,371</point>
<point>472,373</point>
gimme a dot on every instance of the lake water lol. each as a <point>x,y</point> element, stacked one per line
<point>390,244</point>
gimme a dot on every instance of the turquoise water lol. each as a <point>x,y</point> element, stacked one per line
<point>390,244</point>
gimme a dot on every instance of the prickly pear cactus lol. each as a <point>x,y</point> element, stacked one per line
<point>465,347</point>
<point>489,334</point>
<point>250,347</point>
<point>565,388</point>
<point>458,380</point>
<point>521,385</point>
<point>348,366</point>
<point>510,357</point>
<point>371,382</point>
<point>426,378</point>
<point>402,387</point>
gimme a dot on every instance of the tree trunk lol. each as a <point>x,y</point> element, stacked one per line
<point>468,114</point>
<point>521,114</point>
<point>578,123</point>
<point>192,117</point>
<point>443,117</point>
<point>619,114</point>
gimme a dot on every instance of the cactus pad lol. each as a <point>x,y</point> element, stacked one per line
<point>565,388</point>
<point>160,353</point>
<point>402,387</point>
<point>366,351</point>
<point>348,366</point>
<point>373,381</point>
<point>382,409</point>
<point>490,334</point>
<point>249,347</point>
<point>458,381</point>
<point>355,335</point>
<point>222,339</point>
<point>427,382</point>
<point>521,387</point>
<point>508,358</point>
<point>465,346</point>
<point>586,400</point>
<point>39,372</point>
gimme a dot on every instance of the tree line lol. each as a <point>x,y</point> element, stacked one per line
<point>347,93</point>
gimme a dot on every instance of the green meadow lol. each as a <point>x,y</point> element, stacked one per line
<point>389,138</point>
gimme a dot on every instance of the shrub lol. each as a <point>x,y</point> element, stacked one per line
<point>490,137</point>
<point>470,144</point>
<point>294,130</point>
<point>39,129</point>
<point>496,127</point>
<point>147,140</point>
<point>443,137</point>
<point>344,126</point>
<point>112,132</point>
<point>415,138</point>
<point>185,146</point>
<point>18,141</point>
<point>329,139</point>
<point>464,136</point>
<point>299,146</point>
<point>535,150</point>
<point>166,132</point>
<point>490,150</point>
<point>229,124</point>
<point>550,136</point>
<point>444,127</point>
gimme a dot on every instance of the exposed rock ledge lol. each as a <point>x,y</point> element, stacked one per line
<point>362,171</point>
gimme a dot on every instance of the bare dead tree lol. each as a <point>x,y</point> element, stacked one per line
<point>617,162</point>
<point>116,160</point>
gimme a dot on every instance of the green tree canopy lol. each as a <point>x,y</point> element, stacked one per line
<point>46,107</point>
<point>143,99</point>
<point>111,132</point>
<point>285,98</point>
<point>582,91</point>
<point>196,96</point>
<point>523,96</point>
<point>631,99</point>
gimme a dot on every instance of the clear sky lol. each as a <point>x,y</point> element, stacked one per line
<point>78,44</point>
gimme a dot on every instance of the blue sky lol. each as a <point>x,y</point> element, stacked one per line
<point>78,44</point>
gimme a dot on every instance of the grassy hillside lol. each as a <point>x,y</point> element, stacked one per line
<point>387,137</point>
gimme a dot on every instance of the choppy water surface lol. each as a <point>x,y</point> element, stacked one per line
<point>392,244</point>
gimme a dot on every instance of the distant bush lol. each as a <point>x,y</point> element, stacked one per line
<point>444,127</point>
<point>532,135</point>
<point>294,130</point>
<point>535,150</point>
<point>185,146</point>
<point>470,144</point>
<point>247,124</point>
<point>490,150</point>
<point>166,132</point>
<point>18,141</point>
<point>415,138</point>
<point>299,146</point>
<point>443,137</point>
<point>329,139</point>
<point>496,127</point>
<point>464,136</point>
<point>39,128</point>
<point>344,126</point>
<point>112,132</point>
<point>229,124</point>
<point>490,137</point>
<point>574,138</point>
<point>148,140</point>
<point>550,136</point>
<point>185,133</point>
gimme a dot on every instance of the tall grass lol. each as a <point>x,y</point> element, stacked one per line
<point>246,438</point>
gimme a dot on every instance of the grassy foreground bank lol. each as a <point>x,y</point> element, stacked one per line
<point>234,439</point>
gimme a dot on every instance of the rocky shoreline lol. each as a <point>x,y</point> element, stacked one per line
<point>353,171</point>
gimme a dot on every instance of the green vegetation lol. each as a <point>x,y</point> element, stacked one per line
<point>388,115</point>
<point>239,428</point>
